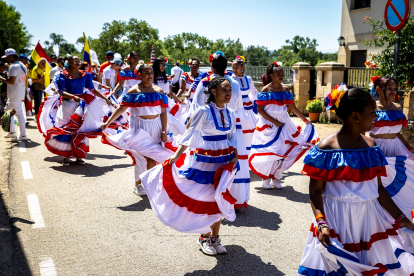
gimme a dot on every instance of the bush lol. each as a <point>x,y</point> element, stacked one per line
<point>314,106</point>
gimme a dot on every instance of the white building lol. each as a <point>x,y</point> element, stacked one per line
<point>356,32</point>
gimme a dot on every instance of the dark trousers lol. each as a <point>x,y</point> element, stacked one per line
<point>37,96</point>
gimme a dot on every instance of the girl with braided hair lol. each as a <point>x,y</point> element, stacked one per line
<point>249,96</point>
<point>277,141</point>
<point>399,181</point>
<point>357,229</point>
<point>197,199</point>
<point>241,188</point>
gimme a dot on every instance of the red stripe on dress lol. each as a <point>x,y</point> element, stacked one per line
<point>243,157</point>
<point>362,245</point>
<point>192,205</point>
<point>38,115</point>
<point>383,123</point>
<point>154,103</point>
<point>262,127</point>
<point>296,134</point>
<point>219,152</point>
<point>239,206</point>
<point>180,162</point>
<point>344,173</point>
<point>247,103</point>
<point>277,102</point>
<point>248,131</point>
<point>175,109</point>
<point>237,120</point>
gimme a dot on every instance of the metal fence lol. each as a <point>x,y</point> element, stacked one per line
<point>256,72</point>
<point>358,77</point>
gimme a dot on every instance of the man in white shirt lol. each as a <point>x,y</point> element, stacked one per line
<point>16,86</point>
<point>109,73</point>
<point>176,72</point>
<point>56,69</point>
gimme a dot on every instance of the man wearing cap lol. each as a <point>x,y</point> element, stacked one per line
<point>53,60</point>
<point>110,72</point>
<point>109,56</point>
<point>16,82</point>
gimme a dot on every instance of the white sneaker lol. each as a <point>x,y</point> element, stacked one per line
<point>276,184</point>
<point>217,245</point>
<point>206,246</point>
<point>266,184</point>
<point>139,190</point>
<point>9,135</point>
<point>23,138</point>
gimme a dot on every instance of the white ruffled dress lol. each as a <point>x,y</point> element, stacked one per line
<point>241,188</point>
<point>364,242</point>
<point>249,96</point>
<point>193,199</point>
<point>276,149</point>
<point>143,138</point>
<point>399,181</point>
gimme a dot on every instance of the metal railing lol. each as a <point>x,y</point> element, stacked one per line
<point>256,72</point>
<point>358,76</point>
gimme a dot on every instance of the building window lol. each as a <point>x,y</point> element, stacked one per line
<point>358,58</point>
<point>360,4</point>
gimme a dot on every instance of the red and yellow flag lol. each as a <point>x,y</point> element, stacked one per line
<point>38,53</point>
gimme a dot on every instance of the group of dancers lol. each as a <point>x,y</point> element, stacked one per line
<point>193,157</point>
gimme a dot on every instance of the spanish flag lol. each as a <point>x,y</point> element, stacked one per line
<point>87,54</point>
<point>38,53</point>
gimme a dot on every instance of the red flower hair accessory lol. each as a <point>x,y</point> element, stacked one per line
<point>275,63</point>
<point>211,58</point>
<point>374,78</point>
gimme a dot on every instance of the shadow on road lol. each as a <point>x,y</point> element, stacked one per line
<point>287,192</point>
<point>87,170</point>
<point>239,262</point>
<point>13,260</point>
<point>28,144</point>
<point>137,207</point>
<point>255,217</point>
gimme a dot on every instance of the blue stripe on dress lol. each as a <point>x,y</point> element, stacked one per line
<point>400,176</point>
<point>215,138</point>
<point>241,180</point>
<point>209,159</point>
<point>201,177</point>
<point>144,97</point>
<point>269,143</point>
<point>389,115</point>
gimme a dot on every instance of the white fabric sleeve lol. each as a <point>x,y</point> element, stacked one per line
<point>253,91</point>
<point>232,134</point>
<point>241,112</point>
<point>192,136</point>
<point>199,99</point>
<point>13,71</point>
<point>107,74</point>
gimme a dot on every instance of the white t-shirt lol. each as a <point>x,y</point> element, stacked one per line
<point>17,91</point>
<point>52,73</point>
<point>176,71</point>
<point>109,73</point>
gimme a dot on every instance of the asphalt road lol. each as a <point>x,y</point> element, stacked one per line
<point>94,225</point>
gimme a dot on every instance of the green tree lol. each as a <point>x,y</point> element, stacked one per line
<point>257,55</point>
<point>183,46</point>
<point>64,46</point>
<point>13,33</point>
<point>385,59</point>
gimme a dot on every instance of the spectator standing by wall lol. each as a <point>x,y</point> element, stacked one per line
<point>57,69</point>
<point>38,79</point>
<point>16,86</point>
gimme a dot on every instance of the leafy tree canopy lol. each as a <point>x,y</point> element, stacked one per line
<point>13,33</point>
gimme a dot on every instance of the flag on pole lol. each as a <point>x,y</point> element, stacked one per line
<point>87,54</point>
<point>38,53</point>
<point>152,54</point>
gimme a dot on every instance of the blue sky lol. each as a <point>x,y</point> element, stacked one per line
<point>261,22</point>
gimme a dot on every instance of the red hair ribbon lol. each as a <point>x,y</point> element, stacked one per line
<point>210,58</point>
<point>275,63</point>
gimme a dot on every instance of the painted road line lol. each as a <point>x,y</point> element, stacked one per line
<point>27,173</point>
<point>22,146</point>
<point>47,267</point>
<point>34,210</point>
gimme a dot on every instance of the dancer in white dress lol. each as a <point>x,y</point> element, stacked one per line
<point>249,96</point>
<point>278,142</point>
<point>197,199</point>
<point>241,188</point>
<point>399,181</point>
<point>148,126</point>
<point>351,233</point>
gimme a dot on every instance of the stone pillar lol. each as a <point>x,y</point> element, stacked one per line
<point>301,84</point>
<point>329,75</point>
